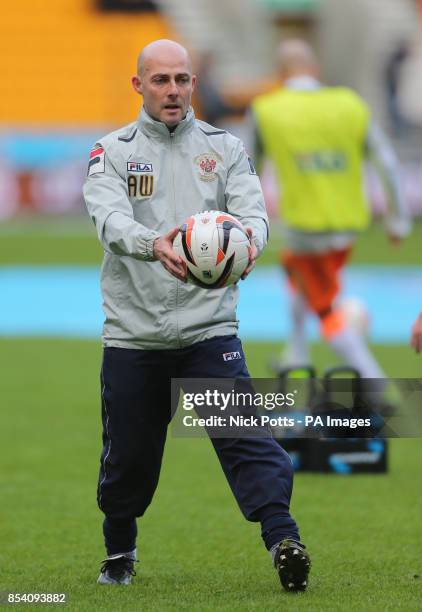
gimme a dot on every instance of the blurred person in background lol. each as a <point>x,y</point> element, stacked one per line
<point>318,139</point>
<point>143,180</point>
<point>214,108</point>
<point>393,70</point>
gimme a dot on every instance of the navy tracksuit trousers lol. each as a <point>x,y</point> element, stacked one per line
<point>136,411</point>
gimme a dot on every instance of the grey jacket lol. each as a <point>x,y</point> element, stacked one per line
<point>143,181</point>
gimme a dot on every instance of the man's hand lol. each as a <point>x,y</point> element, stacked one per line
<point>164,252</point>
<point>252,255</point>
<point>397,229</point>
<point>416,340</point>
<point>394,239</point>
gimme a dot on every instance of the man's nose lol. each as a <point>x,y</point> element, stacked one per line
<point>172,89</point>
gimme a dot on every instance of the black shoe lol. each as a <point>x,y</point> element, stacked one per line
<point>292,563</point>
<point>117,569</point>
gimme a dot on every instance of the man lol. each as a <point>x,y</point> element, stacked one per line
<point>318,138</point>
<point>143,181</point>
<point>416,337</point>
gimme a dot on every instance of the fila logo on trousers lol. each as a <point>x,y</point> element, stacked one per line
<point>232,356</point>
<point>140,185</point>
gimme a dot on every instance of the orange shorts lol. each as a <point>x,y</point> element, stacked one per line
<point>316,276</point>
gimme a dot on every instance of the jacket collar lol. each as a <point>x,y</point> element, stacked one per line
<point>158,129</point>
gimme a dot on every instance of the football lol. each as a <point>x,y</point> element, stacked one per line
<point>215,247</point>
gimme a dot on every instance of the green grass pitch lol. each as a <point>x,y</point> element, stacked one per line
<point>196,550</point>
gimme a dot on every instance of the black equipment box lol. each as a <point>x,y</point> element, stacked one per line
<point>342,455</point>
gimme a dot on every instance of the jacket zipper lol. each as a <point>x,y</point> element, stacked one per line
<point>174,212</point>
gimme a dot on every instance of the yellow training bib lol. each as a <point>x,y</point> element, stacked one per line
<point>316,140</point>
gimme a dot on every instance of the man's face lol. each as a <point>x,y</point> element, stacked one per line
<point>166,83</point>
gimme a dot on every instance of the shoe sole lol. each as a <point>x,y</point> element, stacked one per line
<point>293,568</point>
<point>109,581</point>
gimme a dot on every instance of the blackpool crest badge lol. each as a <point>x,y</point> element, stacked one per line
<point>207,165</point>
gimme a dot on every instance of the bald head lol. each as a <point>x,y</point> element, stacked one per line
<point>162,51</point>
<point>165,81</point>
<point>296,58</point>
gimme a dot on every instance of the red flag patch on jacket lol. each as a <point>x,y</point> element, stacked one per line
<point>96,160</point>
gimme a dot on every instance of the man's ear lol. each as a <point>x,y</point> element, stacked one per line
<point>193,81</point>
<point>137,84</point>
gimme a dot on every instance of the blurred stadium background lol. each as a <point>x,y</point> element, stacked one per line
<point>66,68</point>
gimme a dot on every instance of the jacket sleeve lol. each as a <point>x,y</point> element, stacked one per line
<point>383,157</point>
<point>108,204</point>
<point>244,197</point>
